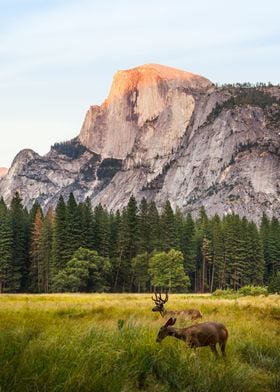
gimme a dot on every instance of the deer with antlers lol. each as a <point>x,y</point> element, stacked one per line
<point>159,301</point>
<point>198,335</point>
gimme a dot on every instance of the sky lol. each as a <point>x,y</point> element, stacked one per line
<point>58,57</point>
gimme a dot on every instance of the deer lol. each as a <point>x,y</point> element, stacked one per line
<point>159,301</point>
<point>198,335</point>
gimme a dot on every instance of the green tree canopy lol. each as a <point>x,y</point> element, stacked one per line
<point>167,271</point>
<point>86,271</point>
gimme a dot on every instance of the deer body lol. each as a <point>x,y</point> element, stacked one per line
<point>189,313</point>
<point>198,335</point>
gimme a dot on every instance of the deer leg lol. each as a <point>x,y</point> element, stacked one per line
<point>223,349</point>
<point>214,350</point>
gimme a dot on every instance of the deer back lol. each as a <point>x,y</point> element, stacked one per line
<point>191,314</point>
<point>205,334</point>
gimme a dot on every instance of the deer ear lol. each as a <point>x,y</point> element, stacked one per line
<point>170,322</point>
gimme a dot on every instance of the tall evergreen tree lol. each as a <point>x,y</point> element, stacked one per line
<point>101,230</point>
<point>35,253</point>
<point>265,238</point>
<point>168,228</point>
<point>19,267</point>
<point>73,227</point>
<point>188,247</point>
<point>274,245</point>
<point>5,248</point>
<point>254,256</point>
<point>45,277</point>
<point>154,226</point>
<point>144,244</point>
<point>217,259</point>
<point>60,244</point>
<point>87,225</point>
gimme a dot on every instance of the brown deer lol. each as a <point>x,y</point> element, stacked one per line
<point>198,335</point>
<point>159,301</point>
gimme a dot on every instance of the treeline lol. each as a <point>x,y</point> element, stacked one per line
<point>245,85</point>
<point>77,248</point>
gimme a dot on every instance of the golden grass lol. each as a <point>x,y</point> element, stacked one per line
<point>65,342</point>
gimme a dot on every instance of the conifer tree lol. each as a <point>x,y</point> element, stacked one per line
<point>87,225</point>
<point>254,257</point>
<point>168,230</point>
<point>217,259</point>
<point>188,247</point>
<point>45,277</point>
<point>122,264</point>
<point>131,229</point>
<point>265,238</point>
<point>19,267</point>
<point>154,225</point>
<point>274,246</point>
<point>144,244</point>
<point>73,227</point>
<point>60,244</point>
<point>35,253</point>
<point>5,248</point>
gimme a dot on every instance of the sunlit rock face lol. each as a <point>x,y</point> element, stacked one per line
<point>3,171</point>
<point>164,134</point>
<point>148,107</point>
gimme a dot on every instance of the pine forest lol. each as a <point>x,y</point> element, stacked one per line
<point>77,248</point>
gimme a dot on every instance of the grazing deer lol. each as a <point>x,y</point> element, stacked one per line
<point>198,335</point>
<point>190,313</point>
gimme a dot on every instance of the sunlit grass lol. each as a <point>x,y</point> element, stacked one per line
<point>106,342</point>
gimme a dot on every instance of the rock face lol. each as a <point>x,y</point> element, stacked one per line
<point>3,171</point>
<point>165,133</point>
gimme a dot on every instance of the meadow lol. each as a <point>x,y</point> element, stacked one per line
<point>106,342</point>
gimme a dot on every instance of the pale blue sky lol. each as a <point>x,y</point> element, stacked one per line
<point>58,57</point>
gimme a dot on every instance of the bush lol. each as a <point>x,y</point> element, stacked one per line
<point>224,293</point>
<point>274,285</point>
<point>253,290</point>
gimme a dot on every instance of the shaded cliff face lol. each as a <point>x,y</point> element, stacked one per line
<point>164,133</point>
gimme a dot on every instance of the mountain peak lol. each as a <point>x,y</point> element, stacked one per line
<point>149,75</point>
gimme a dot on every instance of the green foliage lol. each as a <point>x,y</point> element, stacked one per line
<point>139,265</point>
<point>218,253</point>
<point>253,290</point>
<point>5,247</point>
<point>241,97</point>
<point>72,148</point>
<point>18,276</point>
<point>86,271</point>
<point>224,293</point>
<point>167,271</point>
<point>274,284</point>
<point>60,253</point>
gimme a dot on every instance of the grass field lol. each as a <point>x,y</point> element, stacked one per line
<point>106,342</point>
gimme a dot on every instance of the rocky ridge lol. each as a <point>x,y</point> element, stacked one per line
<point>165,133</point>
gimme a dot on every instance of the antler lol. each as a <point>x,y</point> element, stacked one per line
<point>165,299</point>
<point>158,299</point>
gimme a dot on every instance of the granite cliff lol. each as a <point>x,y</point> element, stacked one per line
<point>165,133</point>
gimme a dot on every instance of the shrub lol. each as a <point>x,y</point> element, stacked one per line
<point>224,293</point>
<point>253,290</point>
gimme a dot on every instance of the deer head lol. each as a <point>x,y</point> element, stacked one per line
<point>159,301</point>
<point>164,330</point>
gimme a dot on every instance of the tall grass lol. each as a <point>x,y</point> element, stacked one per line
<point>105,342</point>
